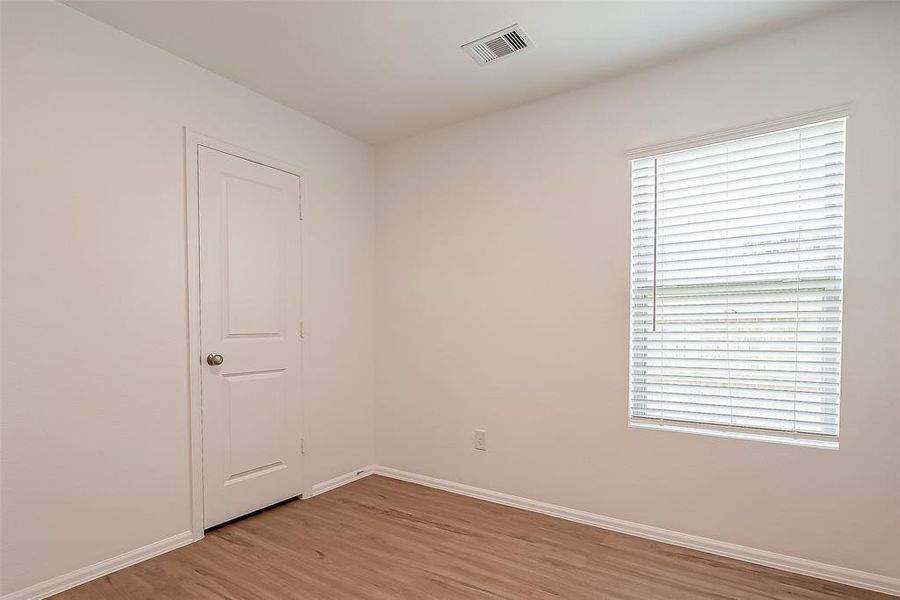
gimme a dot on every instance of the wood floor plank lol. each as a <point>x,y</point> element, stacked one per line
<point>382,539</point>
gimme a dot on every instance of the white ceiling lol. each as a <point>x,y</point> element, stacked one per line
<point>380,71</point>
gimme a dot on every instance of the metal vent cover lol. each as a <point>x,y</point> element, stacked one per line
<point>501,43</point>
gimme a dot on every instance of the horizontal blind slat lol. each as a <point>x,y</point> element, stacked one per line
<point>712,370</point>
<point>830,225</point>
<point>747,179</point>
<point>791,377</point>
<point>749,394</point>
<point>643,203</point>
<point>788,425</point>
<point>824,154</point>
<point>807,414</point>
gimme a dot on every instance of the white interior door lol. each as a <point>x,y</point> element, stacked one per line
<point>250,316</point>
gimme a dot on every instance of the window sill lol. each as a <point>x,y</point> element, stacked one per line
<point>751,435</point>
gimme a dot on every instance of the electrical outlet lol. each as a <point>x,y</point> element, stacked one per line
<point>480,439</point>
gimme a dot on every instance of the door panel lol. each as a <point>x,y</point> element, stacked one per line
<point>250,314</point>
<point>254,257</point>
<point>254,402</point>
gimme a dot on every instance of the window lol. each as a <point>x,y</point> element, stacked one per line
<point>736,286</point>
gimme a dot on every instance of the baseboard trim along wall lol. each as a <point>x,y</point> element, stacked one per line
<point>802,566</point>
<point>105,567</point>
<point>336,482</point>
<point>853,577</point>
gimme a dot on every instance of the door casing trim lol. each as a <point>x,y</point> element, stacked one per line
<point>193,140</point>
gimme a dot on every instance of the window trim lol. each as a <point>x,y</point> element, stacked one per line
<point>717,137</point>
<point>841,111</point>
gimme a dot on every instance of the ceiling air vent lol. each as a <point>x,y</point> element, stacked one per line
<point>498,44</point>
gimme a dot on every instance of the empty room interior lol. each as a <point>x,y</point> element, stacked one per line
<point>373,300</point>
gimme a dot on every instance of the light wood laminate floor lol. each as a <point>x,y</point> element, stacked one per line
<point>379,538</point>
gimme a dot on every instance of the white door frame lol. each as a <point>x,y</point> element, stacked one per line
<point>192,141</point>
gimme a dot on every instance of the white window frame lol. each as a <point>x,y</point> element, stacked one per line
<point>734,432</point>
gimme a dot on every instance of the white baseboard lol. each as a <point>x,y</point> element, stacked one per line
<point>802,566</point>
<point>85,574</point>
<point>325,486</point>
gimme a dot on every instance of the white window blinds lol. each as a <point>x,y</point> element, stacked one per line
<point>736,279</point>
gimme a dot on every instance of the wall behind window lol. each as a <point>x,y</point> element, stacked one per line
<point>95,389</point>
<point>502,302</point>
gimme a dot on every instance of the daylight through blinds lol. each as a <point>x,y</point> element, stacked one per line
<point>736,279</point>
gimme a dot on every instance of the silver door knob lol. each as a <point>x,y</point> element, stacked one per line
<point>214,359</point>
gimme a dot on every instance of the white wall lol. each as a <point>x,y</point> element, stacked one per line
<point>502,302</point>
<point>95,394</point>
